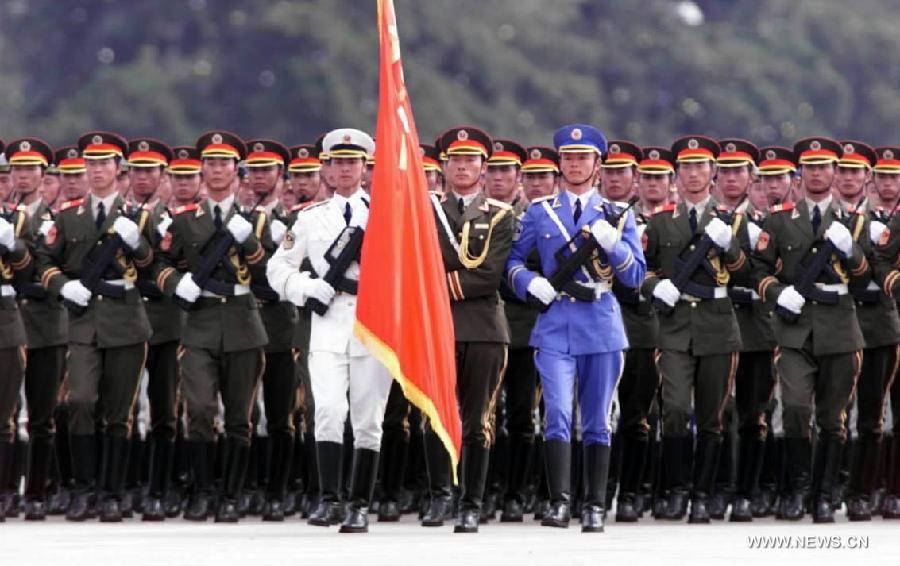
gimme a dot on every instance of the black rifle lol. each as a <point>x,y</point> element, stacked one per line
<point>9,216</point>
<point>568,265</point>
<point>813,264</point>
<point>211,255</point>
<point>343,251</point>
<point>697,252</point>
<point>95,265</point>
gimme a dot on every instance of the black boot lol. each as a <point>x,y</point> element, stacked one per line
<point>520,451</point>
<point>6,466</point>
<point>596,470</point>
<point>362,483</point>
<point>280,461</point>
<point>395,446</point>
<point>797,452</point>
<point>330,509</point>
<point>706,464</point>
<point>865,470</point>
<point>437,462</point>
<point>161,459</point>
<point>84,471</point>
<point>36,487</point>
<point>474,466</point>
<point>113,471</point>
<point>237,458</point>
<point>825,476</point>
<point>749,466</point>
<point>202,457</point>
<point>676,488</point>
<point>311,492</point>
<point>634,452</point>
<point>558,463</point>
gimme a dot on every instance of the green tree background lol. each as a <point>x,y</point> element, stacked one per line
<point>649,70</point>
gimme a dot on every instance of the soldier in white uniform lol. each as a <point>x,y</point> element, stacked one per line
<point>338,362</point>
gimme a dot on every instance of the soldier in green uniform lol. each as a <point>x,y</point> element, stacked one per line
<point>815,364</point>
<point>148,160</point>
<point>16,266</point>
<point>698,336</point>
<point>72,173</point>
<point>880,325</point>
<point>640,380</point>
<point>108,326</point>
<point>475,235</point>
<point>44,320</point>
<point>223,334</point>
<point>266,162</point>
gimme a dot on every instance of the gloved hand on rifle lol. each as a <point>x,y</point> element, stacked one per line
<point>163,226</point>
<point>45,228</point>
<point>319,290</point>
<point>876,228</point>
<point>791,300</point>
<point>278,231</point>
<point>76,292</point>
<point>128,231</point>
<point>838,235</point>
<point>187,289</point>
<point>753,231</point>
<point>542,290</point>
<point>719,233</point>
<point>605,234</point>
<point>7,234</point>
<point>239,227</point>
<point>667,292</point>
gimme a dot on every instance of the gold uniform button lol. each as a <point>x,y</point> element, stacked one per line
<point>572,300</point>
<point>693,305</point>
<point>223,300</point>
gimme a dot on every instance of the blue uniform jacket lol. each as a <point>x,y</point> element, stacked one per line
<point>579,327</point>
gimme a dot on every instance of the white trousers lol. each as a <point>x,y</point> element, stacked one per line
<point>368,382</point>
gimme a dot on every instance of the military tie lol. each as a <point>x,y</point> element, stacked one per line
<point>461,206</point>
<point>101,215</point>
<point>348,213</point>
<point>577,214</point>
<point>816,219</point>
<point>217,217</point>
<point>692,218</point>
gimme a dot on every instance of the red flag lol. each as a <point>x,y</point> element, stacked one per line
<point>403,312</point>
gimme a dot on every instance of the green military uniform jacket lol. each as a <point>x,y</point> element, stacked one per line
<point>166,318</point>
<point>484,233</point>
<point>754,318</point>
<point>108,323</point>
<point>638,315</point>
<point>875,310</point>
<point>16,267</point>
<point>228,324</point>
<point>781,247</point>
<point>279,317</point>
<point>520,316</point>
<point>705,327</point>
<point>46,323</point>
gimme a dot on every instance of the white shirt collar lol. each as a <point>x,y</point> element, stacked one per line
<point>467,199</point>
<point>31,209</point>
<point>823,205</point>
<point>584,197</point>
<point>224,205</point>
<point>699,207</point>
<point>107,201</point>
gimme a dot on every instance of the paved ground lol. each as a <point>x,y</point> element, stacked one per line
<point>253,543</point>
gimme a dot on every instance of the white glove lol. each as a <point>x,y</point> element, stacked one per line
<point>876,228</point>
<point>320,290</point>
<point>719,233</point>
<point>791,300</point>
<point>76,292</point>
<point>542,289</point>
<point>605,234</point>
<point>163,226</point>
<point>239,228</point>
<point>45,228</point>
<point>128,231</point>
<point>278,231</point>
<point>187,289</point>
<point>667,292</point>
<point>753,231</point>
<point>838,235</point>
<point>7,234</point>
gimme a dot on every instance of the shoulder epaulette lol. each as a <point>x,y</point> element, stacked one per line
<point>71,204</point>
<point>186,208</point>
<point>316,204</point>
<point>498,203</point>
<point>663,208</point>
<point>302,206</point>
<point>783,207</point>
<point>542,199</point>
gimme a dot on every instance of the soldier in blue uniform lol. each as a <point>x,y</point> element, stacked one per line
<point>578,342</point>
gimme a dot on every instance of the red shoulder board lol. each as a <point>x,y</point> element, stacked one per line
<point>663,208</point>
<point>186,208</point>
<point>783,207</point>
<point>71,204</point>
<point>303,206</point>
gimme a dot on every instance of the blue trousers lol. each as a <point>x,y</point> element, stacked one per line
<point>595,375</point>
